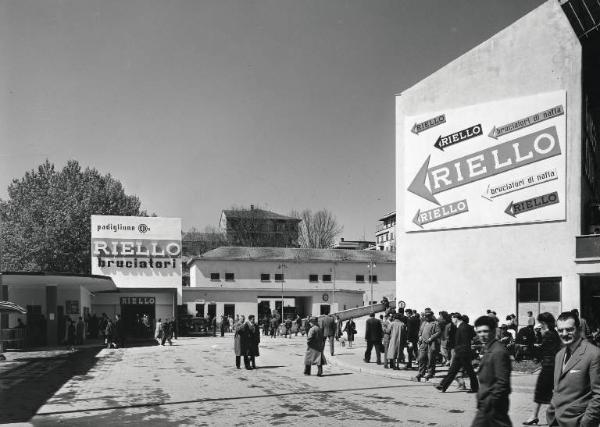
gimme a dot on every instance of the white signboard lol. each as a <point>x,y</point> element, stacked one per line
<point>497,163</point>
<point>137,251</point>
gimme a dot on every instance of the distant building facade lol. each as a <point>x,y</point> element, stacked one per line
<point>354,244</point>
<point>251,280</point>
<point>385,233</point>
<point>258,227</point>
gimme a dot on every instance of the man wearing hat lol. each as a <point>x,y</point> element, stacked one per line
<point>429,335</point>
<point>315,342</point>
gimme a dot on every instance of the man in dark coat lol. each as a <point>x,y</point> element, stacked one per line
<point>413,323</point>
<point>373,336</point>
<point>462,355</point>
<point>494,378</point>
<point>315,342</point>
<point>327,325</point>
<point>249,340</point>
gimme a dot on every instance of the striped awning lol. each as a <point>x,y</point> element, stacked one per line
<point>11,307</point>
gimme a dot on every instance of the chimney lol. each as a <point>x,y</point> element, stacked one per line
<point>251,207</point>
<point>342,239</point>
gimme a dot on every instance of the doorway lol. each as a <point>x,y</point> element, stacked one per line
<point>133,319</point>
<point>590,300</point>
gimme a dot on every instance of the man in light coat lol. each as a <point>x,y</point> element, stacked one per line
<point>576,398</point>
<point>398,338</point>
<point>327,325</point>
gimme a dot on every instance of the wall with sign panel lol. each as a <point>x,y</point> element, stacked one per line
<point>469,227</point>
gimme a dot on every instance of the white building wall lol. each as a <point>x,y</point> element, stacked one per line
<point>247,274</point>
<point>470,270</point>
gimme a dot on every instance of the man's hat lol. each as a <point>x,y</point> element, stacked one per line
<point>428,312</point>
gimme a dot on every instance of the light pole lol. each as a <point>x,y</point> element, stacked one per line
<point>282,267</point>
<point>371,266</point>
<point>333,295</point>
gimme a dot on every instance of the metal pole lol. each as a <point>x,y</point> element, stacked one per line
<point>371,283</point>
<point>333,297</point>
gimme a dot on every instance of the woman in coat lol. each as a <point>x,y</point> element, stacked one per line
<point>350,330</point>
<point>398,339</point>
<point>237,341</point>
<point>548,349</point>
<point>315,343</point>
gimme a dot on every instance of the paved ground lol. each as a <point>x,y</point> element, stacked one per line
<point>195,383</point>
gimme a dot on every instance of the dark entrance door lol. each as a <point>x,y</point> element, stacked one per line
<point>229,310</point>
<point>325,309</point>
<point>133,319</point>
<point>212,310</point>
<point>264,310</point>
<point>590,300</point>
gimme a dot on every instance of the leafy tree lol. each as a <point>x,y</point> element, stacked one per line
<point>45,222</point>
<point>317,230</point>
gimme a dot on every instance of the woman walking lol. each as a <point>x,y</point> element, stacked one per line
<point>545,382</point>
<point>350,330</point>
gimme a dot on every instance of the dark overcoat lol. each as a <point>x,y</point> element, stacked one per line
<point>315,343</point>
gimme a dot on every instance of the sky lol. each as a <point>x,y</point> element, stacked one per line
<point>200,105</point>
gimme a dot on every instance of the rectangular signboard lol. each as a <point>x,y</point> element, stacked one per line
<point>137,251</point>
<point>502,162</point>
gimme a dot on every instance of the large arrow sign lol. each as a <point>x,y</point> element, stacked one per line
<point>442,212</point>
<point>428,124</point>
<point>503,157</point>
<point>527,121</point>
<point>523,206</point>
<point>456,137</point>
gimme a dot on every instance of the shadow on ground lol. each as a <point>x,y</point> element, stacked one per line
<point>34,380</point>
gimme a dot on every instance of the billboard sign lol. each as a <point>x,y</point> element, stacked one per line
<point>137,251</point>
<point>502,162</point>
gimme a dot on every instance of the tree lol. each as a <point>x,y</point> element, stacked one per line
<point>317,230</point>
<point>45,222</point>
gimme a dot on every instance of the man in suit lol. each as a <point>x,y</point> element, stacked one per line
<point>327,325</point>
<point>462,355</point>
<point>373,336</point>
<point>494,378</point>
<point>576,399</point>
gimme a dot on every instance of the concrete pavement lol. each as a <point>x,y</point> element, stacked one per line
<point>195,382</point>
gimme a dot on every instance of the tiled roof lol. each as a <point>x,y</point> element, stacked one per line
<point>241,253</point>
<point>256,213</point>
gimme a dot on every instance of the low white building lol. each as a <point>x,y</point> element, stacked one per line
<point>251,280</point>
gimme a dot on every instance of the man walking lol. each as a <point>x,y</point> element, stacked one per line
<point>327,325</point>
<point>494,378</point>
<point>373,336</point>
<point>462,355</point>
<point>429,343</point>
<point>576,398</point>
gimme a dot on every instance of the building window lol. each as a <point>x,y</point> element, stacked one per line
<point>215,276</point>
<point>279,277</point>
<point>265,277</point>
<point>538,295</point>
<point>360,278</point>
<point>229,277</point>
<point>327,278</point>
<point>313,277</point>
<point>373,279</point>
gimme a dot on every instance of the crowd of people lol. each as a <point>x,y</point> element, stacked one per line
<point>569,375</point>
